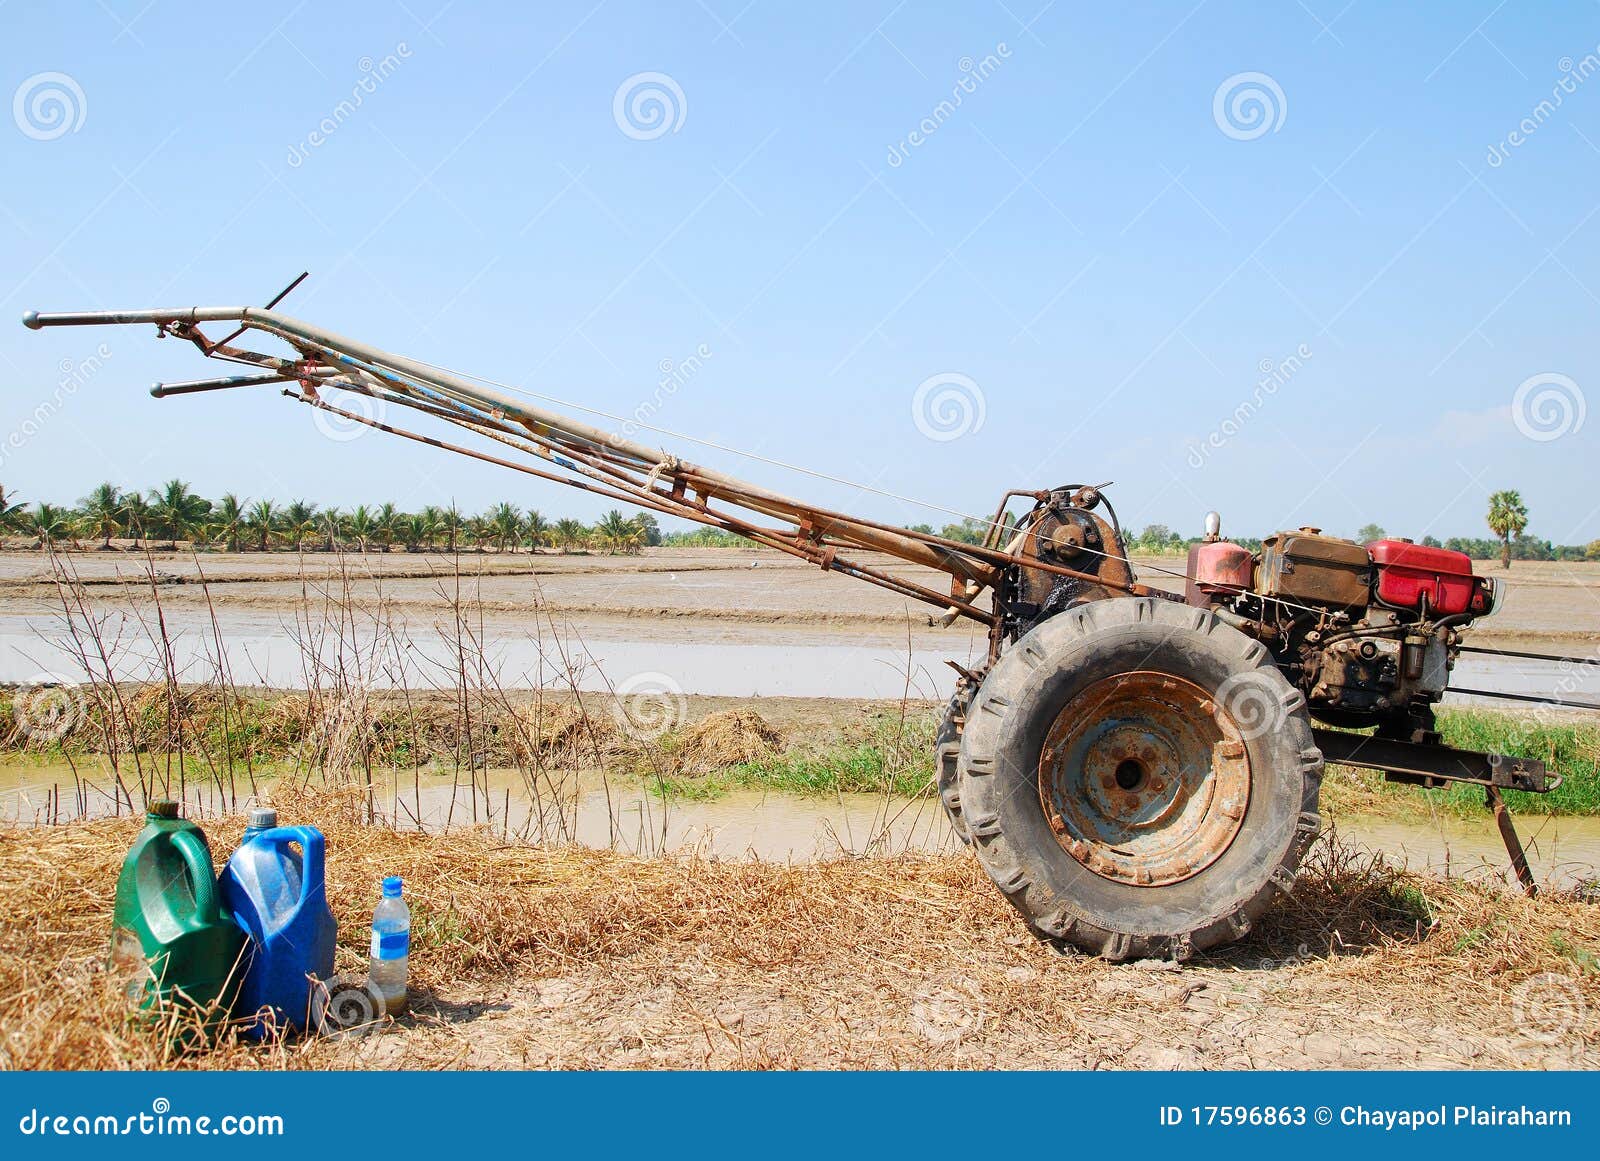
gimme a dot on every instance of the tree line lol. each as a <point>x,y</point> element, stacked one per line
<point>171,513</point>
<point>164,516</point>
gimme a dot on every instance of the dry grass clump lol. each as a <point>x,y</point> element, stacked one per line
<point>559,729</point>
<point>579,958</point>
<point>726,738</point>
<point>149,717</point>
<point>283,721</point>
<point>334,731</point>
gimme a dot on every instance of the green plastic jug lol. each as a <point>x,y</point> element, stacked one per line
<point>168,931</point>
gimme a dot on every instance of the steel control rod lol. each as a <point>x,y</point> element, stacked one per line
<point>575,453</point>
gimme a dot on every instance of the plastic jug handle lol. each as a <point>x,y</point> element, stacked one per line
<point>202,875</point>
<point>314,852</point>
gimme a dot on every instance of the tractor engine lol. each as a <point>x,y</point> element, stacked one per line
<point>1369,633</point>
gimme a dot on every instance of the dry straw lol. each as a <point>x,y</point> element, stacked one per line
<point>566,957</point>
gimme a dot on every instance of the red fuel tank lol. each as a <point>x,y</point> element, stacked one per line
<point>1409,573</point>
<point>1217,568</point>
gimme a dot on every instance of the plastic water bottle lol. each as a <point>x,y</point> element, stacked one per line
<point>391,947</point>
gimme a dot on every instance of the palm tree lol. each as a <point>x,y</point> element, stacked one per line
<point>536,528</point>
<point>503,525</point>
<point>177,511</point>
<point>262,519</point>
<point>331,523</point>
<point>1508,517</point>
<point>618,533</point>
<point>228,521</point>
<point>569,532</point>
<point>135,515</point>
<point>101,512</point>
<point>416,530</point>
<point>50,523</point>
<point>11,513</point>
<point>433,520</point>
<point>361,525</point>
<point>386,526</point>
<point>451,522</point>
<point>300,520</point>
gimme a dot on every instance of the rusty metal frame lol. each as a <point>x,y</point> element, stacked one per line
<point>1433,765</point>
<point>575,453</point>
<point>1430,765</point>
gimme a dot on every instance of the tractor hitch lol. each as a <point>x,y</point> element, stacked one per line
<point>1431,766</point>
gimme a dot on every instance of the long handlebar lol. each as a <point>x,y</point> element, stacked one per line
<point>560,448</point>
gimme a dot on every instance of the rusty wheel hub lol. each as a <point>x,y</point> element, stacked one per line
<point>1143,780</point>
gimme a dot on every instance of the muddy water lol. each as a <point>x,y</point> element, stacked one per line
<point>1562,851</point>
<point>744,824</point>
<point>618,813</point>
<point>784,827</point>
<point>268,649</point>
<point>747,661</point>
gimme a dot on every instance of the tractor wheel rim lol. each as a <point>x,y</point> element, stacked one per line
<point>1144,779</point>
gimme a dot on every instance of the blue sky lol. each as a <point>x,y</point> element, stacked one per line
<point>1089,249</point>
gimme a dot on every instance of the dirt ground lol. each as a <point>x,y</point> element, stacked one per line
<point>675,587</point>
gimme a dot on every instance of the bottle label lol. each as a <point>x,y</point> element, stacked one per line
<point>391,944</point>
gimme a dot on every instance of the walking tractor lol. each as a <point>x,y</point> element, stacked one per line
<point>1137,770</point>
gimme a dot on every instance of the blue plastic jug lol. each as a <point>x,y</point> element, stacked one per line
<point>280,897</point>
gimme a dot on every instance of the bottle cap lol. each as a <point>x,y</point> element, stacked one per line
<point>392,886</point>
<point>261,817</point>
<point>164,809</point>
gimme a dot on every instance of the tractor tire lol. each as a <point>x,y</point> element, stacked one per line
<point>946,757</point>
<point>1139,779</point>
